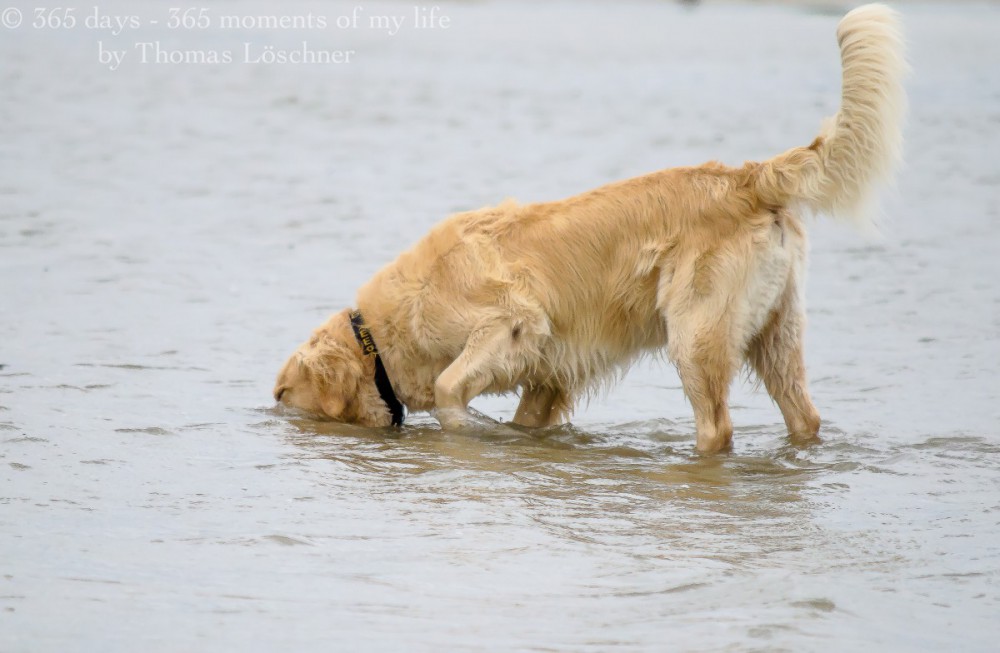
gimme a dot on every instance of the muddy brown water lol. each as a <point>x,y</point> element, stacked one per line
<point>169,232</point>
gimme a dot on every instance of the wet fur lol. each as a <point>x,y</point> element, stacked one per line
<point>557,298</point>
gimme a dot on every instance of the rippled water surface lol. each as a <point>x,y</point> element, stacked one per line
<point>168,233</point>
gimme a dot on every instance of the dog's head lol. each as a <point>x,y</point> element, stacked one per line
<point>329,376</point>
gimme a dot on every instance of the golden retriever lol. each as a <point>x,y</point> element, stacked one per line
<point>553,298</point>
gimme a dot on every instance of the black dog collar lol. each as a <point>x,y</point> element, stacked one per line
<point>367,343</point>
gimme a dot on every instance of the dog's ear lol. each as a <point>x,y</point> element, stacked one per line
<point>334,372</point>
<point>333,406</point>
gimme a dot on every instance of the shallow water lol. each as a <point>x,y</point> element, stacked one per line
<point>168,233</point>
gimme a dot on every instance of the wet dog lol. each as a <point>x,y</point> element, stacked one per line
<point>551,299</point>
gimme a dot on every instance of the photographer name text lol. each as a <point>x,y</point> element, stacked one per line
<point>113,51</point>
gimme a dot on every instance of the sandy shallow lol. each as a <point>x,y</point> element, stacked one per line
<point>169,232</point>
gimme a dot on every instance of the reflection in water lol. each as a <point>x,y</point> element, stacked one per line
<point>638,485</point>
<point>629,512</point>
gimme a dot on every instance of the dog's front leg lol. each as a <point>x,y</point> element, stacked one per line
<point>482,361</point>
<point>541,406</point>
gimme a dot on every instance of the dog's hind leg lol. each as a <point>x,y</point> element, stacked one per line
<point>706,366</point>
<point>776,355</point>
<point>541,406</point>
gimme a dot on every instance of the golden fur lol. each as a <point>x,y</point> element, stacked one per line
<point>554,298</point>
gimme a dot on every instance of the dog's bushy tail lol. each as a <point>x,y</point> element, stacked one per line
<point>861,144</point>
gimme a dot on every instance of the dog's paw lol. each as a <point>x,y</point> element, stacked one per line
<point>457,419</point>
<point>804,439</point>
<point>454,419</point>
